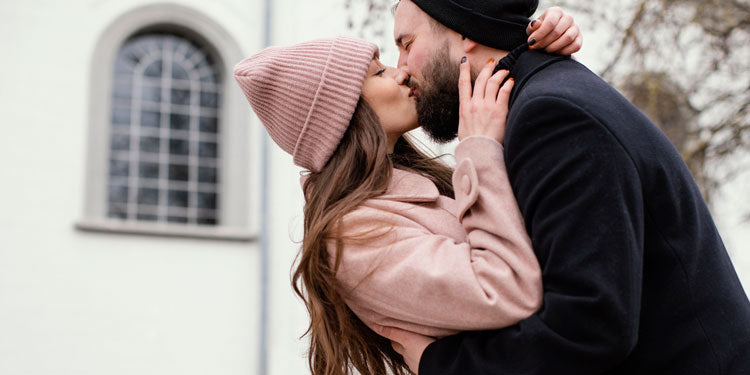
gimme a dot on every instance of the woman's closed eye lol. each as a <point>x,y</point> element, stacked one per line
<point>380,72</point>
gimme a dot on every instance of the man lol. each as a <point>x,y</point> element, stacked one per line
<point>636,278</point>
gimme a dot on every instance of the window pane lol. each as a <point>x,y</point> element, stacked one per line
<point>153,69</point>
<point>124,66</point>
<point>148,196</point>
<point>209,99</point>
<point>147,217</point>
<point>178,72</point>
<point>118,194</point>
<point>150,119</point>
<point>179,147</point>
<point>210,78</point>
<point>177,219</point>
<point>207,149</point>
<point>208,124</point>
<point>177,198</point>
<point>207,175</point>
<point>120,142</point>
<point>123,89</point>
<point>207,221</point>
<point>166,167</point>
<point>148,170</point>
<point>179,122</point>
<point>151,93</point>
<point>150,144</point>
<point>181,97</point>
<point>117,211</point>
<point>121,116</point>
<point>207,200</point>
<point>119,168</point>
<point>178,172</point>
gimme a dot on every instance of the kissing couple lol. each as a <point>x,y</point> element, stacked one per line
<point>569,238</point>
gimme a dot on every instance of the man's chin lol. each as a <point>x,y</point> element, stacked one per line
<point>438,115</point>
<point>440,137</point>
<point>437,103</point>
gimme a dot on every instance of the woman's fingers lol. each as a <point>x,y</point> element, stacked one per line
<point>548,20</point>
<point>563,24</point>
<point>573,47</point>
<point>568,38</point>
<point>532,26</point>
<point>480,83</point>
<point>493,85</point>
<point>501,114</point>
<point>464,81</point>
<point>503,96</point>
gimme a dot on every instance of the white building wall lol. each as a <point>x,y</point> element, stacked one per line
<point>74,302</point>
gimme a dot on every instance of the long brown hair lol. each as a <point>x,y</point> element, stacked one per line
<point>359,169</point>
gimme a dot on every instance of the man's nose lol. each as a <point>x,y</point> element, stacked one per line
<point>401,61</point>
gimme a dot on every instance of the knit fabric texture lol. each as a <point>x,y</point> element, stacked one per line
<point>499,24</point>
<point>305,94</point>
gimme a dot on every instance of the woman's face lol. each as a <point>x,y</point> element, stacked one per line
<point>385,90</point>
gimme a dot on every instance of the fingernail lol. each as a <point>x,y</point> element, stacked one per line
<point>533,23</point>
<point>490,61</point>
<point>463,59</point>
<point>531,47</point>
<point>511,79</point>
<point>532,41</point>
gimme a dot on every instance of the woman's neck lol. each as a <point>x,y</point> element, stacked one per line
<point>392,139</point>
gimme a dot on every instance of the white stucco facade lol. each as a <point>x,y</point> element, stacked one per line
<point>74,301</point>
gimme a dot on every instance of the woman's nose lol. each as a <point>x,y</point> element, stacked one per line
<point>401,77</point>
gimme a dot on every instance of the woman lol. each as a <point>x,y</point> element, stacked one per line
<point>388,241</point>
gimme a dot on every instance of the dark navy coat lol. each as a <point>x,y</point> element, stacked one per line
<point>636,278</point>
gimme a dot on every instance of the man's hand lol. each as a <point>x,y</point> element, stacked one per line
<point>409,344</point>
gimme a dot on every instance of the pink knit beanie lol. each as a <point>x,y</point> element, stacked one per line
<point>306,94</point>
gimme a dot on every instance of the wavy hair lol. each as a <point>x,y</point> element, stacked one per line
<point>362,169</point>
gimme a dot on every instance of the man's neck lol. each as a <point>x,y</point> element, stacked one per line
<point>480,55</point>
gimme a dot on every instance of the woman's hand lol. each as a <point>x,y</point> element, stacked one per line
<point>410,345</point>
<point>483,111</point>
<point>555,32</point>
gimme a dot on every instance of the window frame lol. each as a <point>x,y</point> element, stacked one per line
<point>239,174</point>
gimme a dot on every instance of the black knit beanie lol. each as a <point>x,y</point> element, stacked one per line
<point>499,24</point>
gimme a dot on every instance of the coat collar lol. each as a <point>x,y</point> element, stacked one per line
<point>524,64</point>
<point>408,186</point>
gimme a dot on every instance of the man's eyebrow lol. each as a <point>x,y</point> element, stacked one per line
<point>400,39</point>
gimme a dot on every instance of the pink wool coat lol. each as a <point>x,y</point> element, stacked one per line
<point>433,265</point>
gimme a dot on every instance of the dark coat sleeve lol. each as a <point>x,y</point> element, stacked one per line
<point>580,194</point>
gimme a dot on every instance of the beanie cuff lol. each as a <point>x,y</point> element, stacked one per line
<point>305,94</point>
<point>335,101</point>
<point>504,33</point>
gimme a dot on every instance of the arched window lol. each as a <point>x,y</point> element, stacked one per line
<point>164,149</point>
<point>170,151</point>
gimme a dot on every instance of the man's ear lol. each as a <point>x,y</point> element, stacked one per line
<point>468,44</point>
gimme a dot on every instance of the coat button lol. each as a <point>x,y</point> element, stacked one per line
<point>466,184</point>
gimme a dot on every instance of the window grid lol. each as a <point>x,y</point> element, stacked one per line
<point>193,152</point>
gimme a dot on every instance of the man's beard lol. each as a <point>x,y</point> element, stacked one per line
<point>437,104</point>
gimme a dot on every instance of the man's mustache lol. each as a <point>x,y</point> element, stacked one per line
<point>411,83</point>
